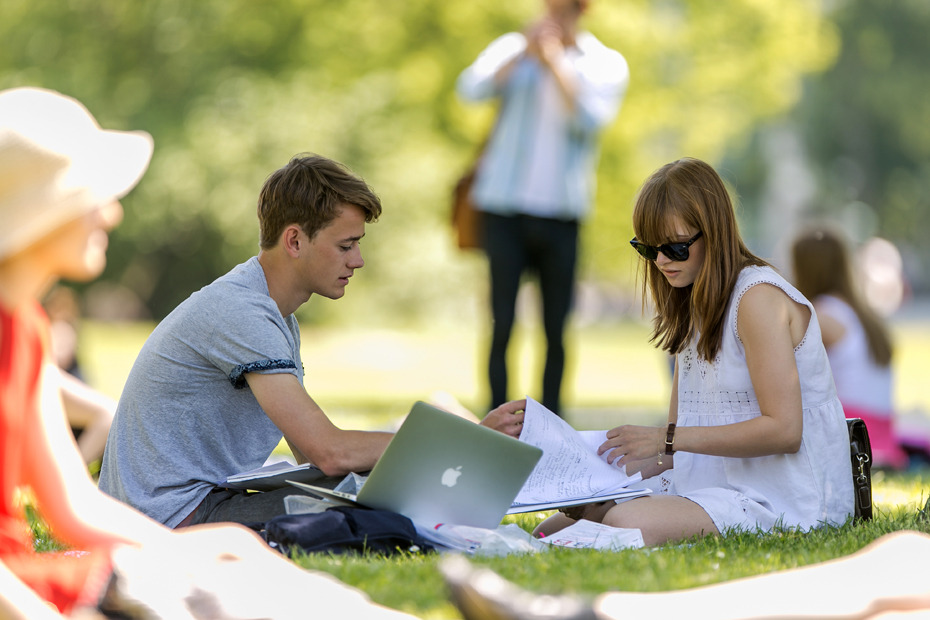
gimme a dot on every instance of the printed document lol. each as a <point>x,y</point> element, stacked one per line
<point>589,535</point>
<point>570,471</point>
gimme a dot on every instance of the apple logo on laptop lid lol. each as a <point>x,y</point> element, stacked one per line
<point>450,477</point>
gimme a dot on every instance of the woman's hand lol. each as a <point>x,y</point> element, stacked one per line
<point>629,444</point>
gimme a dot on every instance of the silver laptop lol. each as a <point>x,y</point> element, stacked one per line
<point>440,468</point>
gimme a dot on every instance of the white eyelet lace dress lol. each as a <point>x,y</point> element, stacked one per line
<point>806,489</point>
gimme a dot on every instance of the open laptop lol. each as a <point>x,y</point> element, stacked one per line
<point>440,468</point>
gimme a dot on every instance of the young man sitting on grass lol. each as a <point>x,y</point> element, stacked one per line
<point>220,379</point>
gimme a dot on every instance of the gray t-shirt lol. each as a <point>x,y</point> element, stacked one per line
<point>186,418</point>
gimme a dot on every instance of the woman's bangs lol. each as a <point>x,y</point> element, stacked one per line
<point>654,218</point>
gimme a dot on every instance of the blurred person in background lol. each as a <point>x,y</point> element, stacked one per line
<point>558,87</point>
<point>63,309</point>
<point>857,340</point>
<point>90,412</point>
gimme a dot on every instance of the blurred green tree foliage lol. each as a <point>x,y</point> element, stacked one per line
<point>231,89</point>
<point>860,140</point>
<point>867,123</point>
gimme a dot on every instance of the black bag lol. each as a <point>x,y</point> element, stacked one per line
<point>345,528</point>
<point>860,452</point>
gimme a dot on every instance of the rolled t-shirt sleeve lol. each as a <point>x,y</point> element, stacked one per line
<point>255,339</point>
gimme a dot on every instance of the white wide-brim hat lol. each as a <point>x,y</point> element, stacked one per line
<point>56,164</point>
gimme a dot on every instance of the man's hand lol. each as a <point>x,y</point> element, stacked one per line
<point>507,419</point>
<point>591,512</point>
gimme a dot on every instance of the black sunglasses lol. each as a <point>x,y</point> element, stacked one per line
<point>674,251</point>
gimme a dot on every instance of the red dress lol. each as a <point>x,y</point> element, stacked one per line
<point>66,579</point>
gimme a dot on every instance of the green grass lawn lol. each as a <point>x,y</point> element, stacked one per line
<point>412,583</point>
<point>367,378</point>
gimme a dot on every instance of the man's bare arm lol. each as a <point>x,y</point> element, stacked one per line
<point>310,433</point>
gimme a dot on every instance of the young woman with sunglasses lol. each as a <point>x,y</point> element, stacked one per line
<point>756,436</point>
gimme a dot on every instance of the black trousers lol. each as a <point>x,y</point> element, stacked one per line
<point>548,250</point>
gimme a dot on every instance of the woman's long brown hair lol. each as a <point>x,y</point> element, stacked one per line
<point>822,266</point>
<point>692,191</point>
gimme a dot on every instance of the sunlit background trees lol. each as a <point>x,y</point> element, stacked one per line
<point>807,106</point>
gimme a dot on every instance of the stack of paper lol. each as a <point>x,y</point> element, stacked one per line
<point>570,471</point>
<point>271,477</point>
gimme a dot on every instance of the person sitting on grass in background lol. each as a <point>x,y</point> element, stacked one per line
<point>756,436</point>
<point>90,412</point>
<point>857,340</point>
<point>61,176</point>
<point>220,379</point>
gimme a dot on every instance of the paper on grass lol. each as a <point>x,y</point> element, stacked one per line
<point>570,470</point>
<point>590,535</point>
<point>503,540</point>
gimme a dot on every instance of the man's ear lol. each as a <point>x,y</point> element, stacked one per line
<point>293,240</point>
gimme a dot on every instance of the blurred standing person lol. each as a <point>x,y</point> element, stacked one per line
<point>857,340</point>
<point>558,87</point>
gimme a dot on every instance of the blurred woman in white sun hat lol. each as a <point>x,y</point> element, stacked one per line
<point>61,178</point>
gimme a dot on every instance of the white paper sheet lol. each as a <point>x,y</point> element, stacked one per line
<point>570,466</point>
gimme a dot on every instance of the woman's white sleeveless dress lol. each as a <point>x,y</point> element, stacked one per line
<point>807,489</point>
